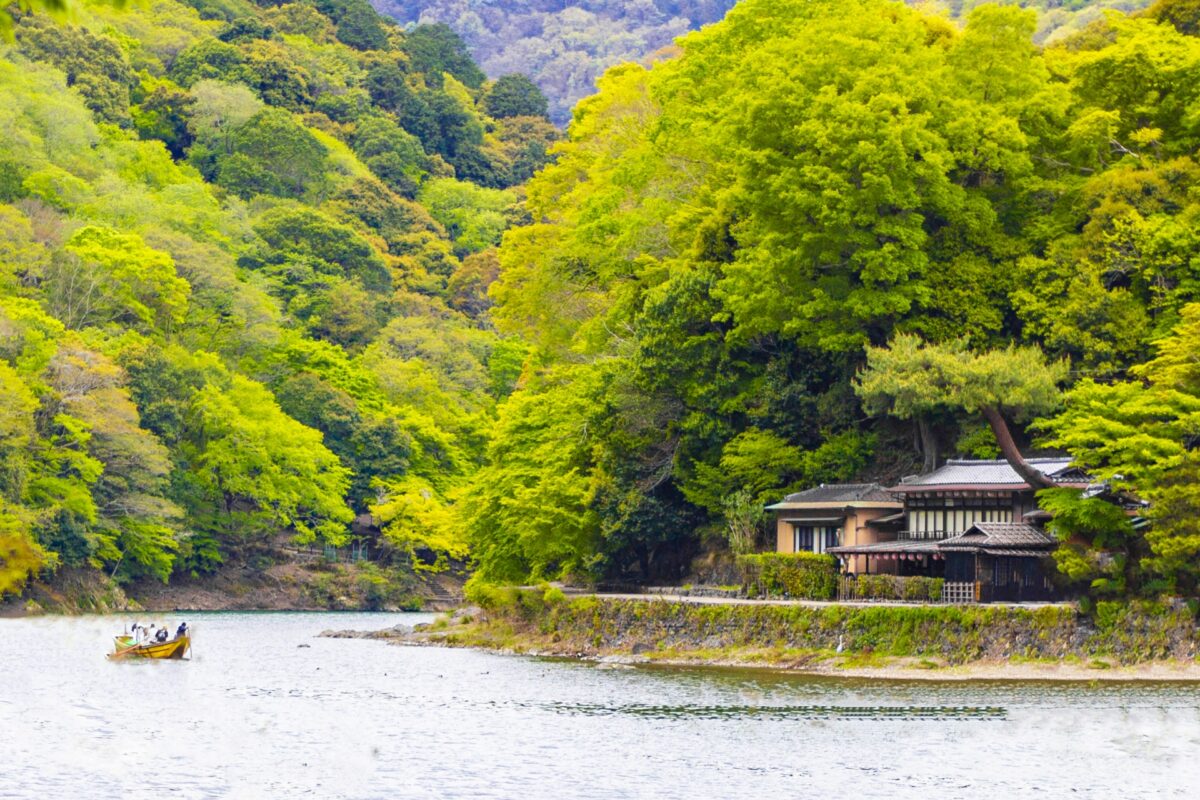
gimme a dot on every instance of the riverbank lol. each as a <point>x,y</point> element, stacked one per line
<point>1120,642</point>
<point>281,585</point>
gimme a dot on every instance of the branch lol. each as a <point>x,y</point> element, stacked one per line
<point>1031,474</point>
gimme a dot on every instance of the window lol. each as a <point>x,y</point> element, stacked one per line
<point>928,520</point>
<point>814,538</point>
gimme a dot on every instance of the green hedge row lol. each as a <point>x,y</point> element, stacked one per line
<point>807,576</point>
<point>893,587</point>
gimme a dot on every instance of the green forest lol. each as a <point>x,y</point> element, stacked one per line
<point>244,253</point>
<point>826,231</point>
<point>268,269</point>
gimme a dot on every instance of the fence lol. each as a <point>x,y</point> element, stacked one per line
<point>357,551</point>
<point>959,592</point>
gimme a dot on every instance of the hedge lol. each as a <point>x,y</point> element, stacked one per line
<point>892,587</point>
<point>808,576</point>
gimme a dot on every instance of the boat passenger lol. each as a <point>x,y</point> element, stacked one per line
<point>161,636</point>
<point>181,630</point>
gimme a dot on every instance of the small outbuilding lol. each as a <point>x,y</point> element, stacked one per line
<point>1006,561</point>
<point>835,515</point>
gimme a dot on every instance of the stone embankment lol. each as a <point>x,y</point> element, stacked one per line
<point>1116,641</point>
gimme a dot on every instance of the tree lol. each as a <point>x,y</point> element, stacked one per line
<point>219,110</point>
<point>360,28</point>
<point>94,65</point>
<point>280,81</point>
<point>272,154</point>
<point>209,59</point>
<point>434,49</point>
<point>163,113</point>
<point>473,216</point>
<point>417,521</point>
<point>112,277</point>
<point>911,378</point>
<point>300,230</point>
<point>136,525</point>
<point>256,470</point>
<point>1140,437</point>
<point>514,96</point>
<point>1183,14</point>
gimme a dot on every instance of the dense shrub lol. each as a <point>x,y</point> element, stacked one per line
<point>894,587</point>
<point>809,576</point>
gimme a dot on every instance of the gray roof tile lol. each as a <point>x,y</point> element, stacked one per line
<point>842,493</point>
<point>959,472</point>
<point>999,535</point>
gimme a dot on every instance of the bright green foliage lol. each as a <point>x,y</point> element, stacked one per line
<point>250,259</point>
<point>116,277</point>
<point>528,512</point>
<point>271,154</point>
<point>254,467</point>
<point>416,521</point>
<point>911,377</point>
<point>1099,546</point>
<point>730,232</point>
<point>804,576</point>
<point>1139,436</point>
<point>472,215</point>
<point>221,320</point>
<point>762,463</point>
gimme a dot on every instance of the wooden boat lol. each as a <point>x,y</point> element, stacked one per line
<point>127,647</point>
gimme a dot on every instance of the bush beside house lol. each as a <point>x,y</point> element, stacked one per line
<point>805,576</point>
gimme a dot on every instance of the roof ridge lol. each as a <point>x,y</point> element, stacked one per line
<point>966,462</point>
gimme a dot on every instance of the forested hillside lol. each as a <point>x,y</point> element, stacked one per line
<point>729,236</point>
<point>564,46</point>
<point>243,260</point>
<point>250,287</point>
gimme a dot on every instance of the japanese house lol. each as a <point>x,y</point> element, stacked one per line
<point>832,515</point>
<point>974,523</point>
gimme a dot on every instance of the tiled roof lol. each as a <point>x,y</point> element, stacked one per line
<point>842,493</point>
<point>993,536</point>
<point>905,546</point>
<point>991,473</point>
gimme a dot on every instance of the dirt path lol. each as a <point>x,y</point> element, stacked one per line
<point>740,601</point>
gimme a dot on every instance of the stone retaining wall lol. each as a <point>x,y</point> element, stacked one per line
<point>1122,633</point>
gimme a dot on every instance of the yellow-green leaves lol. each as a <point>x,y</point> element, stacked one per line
<point>261,466</point>
<point>911,377</point>
<point>115,278</point>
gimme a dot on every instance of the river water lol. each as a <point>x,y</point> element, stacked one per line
<point>264,709</point>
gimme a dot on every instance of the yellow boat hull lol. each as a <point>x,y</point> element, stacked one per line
<point>127,648</point>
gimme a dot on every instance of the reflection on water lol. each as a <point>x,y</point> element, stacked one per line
<point>783,712</point>
<point>264,709</point>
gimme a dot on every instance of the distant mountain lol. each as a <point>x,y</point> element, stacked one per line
<point>564,46</point>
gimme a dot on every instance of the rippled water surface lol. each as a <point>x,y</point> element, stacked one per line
<point>265,709</point>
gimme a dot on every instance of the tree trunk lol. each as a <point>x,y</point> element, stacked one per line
<point>1031,474</point>
<point>929,445</point>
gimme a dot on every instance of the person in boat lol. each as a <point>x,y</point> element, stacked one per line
<point>181,631</point>
<point>162,635</point>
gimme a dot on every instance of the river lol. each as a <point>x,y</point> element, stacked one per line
<point>264,709</point>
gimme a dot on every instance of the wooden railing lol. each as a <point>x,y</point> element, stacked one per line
<point>959,592</point>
